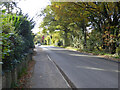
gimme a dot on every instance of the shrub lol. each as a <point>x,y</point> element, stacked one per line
<point>17,38</point>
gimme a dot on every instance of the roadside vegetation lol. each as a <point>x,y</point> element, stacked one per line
<point>91,27</point>
<point>16,36</point>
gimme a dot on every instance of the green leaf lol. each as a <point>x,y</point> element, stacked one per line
<point>3,11</point>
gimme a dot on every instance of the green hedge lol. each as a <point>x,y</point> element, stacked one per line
<point>17,38</point>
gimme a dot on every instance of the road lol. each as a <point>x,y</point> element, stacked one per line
<point>84,71</point>
<point>44,73</point>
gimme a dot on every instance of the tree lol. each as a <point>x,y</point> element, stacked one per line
<point>106,16</point>
<point>74,18</point>
<point>51,23</point>
<point>10,6</point>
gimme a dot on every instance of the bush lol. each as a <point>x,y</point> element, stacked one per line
<point>17,39</point>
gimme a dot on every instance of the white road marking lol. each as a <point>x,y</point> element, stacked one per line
<point>59,71</point>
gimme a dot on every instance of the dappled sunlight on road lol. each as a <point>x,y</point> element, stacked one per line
<point>57,49</point>
<point>88,68</point>
<point>52,47</point>
<point>47,46</point>
<point>98,69</point>
<point>83,55</point>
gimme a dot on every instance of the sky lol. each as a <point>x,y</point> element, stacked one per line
<point>33,8</point>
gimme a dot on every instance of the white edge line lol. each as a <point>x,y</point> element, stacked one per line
<point>59,71</point>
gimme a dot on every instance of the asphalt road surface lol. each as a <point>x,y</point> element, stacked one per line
<point>45,73</point>
<point>84,71</point>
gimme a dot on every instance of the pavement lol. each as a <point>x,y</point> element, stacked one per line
<point>45,72</point>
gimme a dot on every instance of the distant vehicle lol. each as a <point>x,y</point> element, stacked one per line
<point>39,44</point>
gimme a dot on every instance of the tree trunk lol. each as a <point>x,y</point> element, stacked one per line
<point>84,33</point>
<point>85,45</point>
<point>66,39</point>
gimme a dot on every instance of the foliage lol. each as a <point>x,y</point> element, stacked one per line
<point>38,38</point>
<point>17,38</point>
<point>91,26</point>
